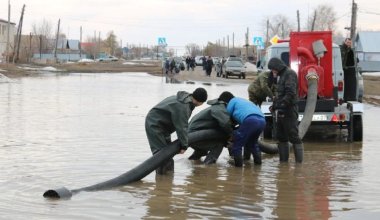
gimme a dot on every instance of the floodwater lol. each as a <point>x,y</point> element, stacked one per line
<point>76,130</point>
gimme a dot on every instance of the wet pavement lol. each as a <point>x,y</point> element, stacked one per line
<point>79,129</point>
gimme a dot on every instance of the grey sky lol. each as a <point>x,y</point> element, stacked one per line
<point>179,21</point>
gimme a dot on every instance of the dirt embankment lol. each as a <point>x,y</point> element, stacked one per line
<point>371,83</point>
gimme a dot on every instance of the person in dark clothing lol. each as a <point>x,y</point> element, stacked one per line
<point>192,63</point>
<point>251,123</point>
<point>204,62</point>
<point>348,63</point>
<point>209,65</point>
<point>286,107</point>
<point>213,117</point>
<point>172,114</point>
<point>172,65</point>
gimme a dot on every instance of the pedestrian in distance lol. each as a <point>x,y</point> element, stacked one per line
<point>285,106</point>
<point>251,123</point>
<point>213,117</point>
<point>209,65</point>
<point>172,115</point>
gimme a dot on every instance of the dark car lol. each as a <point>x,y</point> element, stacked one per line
<point>234,68</point>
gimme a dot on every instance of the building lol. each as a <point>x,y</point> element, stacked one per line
<point>4,37</point>
<point>367,48</point>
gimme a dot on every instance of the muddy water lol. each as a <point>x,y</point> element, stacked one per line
<point>80,129</point>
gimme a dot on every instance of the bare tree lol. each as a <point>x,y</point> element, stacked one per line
<point>111,43</point>
<point>192,49</point>
<point>323,19</point>
<point>278,25</point>
<point>44,31</point>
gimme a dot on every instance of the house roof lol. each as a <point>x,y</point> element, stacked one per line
<point>6,21</point>
<point>368,41</point>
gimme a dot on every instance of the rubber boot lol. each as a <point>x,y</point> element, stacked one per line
<point>283,151</point>
<point>298,152</point>
<point>246,153</point>
<point>257,157</point>
<point>165,167</point>
<point>238,160</point>
<point>197,155</point>
<point>213,155</point>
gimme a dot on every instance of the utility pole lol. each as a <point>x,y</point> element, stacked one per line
<point>267,40</point>
<point>233,43</point>
<point>246,44</point>
<point>56,41</point>
<point>228,45</point>
<point>8,31</point>
<point>298,21</point>
<point>18,36</point>
<point>94,45</point>
<point>30,46</point>
<point>353,22</point>
<point>80,43</point>
<point>314,18</point>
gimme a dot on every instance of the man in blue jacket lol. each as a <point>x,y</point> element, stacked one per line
<point>251,123</point>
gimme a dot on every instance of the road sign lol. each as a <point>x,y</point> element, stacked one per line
<point>274,39</point>
<point>162,42</point>
<point>258,41</point>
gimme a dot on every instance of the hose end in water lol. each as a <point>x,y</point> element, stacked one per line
<point>60,193</point>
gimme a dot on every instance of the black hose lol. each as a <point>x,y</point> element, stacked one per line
<point>141,170</point>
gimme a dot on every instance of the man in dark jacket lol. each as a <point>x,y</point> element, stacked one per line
<point>213,117</point>
<point>348,63</point>
<point>286,107</point>
<point>172,114</point>
<point>209,65</point>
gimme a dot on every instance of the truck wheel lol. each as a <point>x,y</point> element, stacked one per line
<point>243,76</point>
<point>357,128</point>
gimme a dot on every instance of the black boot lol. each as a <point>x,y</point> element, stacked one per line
<point>238,160</point>
<point>247,153</point>
<point>298,152</point>
<point>197,155</point>
<point>213,155</point>
<point>283,151</point>
<point>165,167</point>
<point>257,157</point>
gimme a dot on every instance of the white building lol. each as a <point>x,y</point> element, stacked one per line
<point>4,37</point>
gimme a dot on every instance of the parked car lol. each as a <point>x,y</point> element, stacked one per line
<point>234,68</point>
<point>107,58</point>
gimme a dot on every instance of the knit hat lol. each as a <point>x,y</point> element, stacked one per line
<point>200,94</point>
<point>276,64</point>
<point>226,96</point>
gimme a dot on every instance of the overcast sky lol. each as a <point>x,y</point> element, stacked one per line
<point>179,21</point>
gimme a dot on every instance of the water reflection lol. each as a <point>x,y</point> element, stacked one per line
<point>80,129</point>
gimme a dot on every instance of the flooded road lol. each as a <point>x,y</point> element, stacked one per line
<point>79,129</point>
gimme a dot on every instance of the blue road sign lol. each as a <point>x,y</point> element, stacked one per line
<point>258,41</point>
<point>162,41</point>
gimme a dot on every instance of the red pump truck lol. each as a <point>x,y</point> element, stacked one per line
<point>314,52</point>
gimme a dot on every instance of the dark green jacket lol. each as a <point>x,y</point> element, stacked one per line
<point>213,117</point>
<point>172,114</point>
<point>259,89</point>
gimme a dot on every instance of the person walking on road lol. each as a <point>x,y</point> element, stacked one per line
<point>209,65</point>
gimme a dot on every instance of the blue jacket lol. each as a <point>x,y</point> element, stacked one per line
<point>240,109</point>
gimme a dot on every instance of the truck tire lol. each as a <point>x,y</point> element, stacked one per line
<point>357,128</point>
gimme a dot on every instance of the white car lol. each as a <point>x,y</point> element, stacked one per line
<point>107,58</point>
